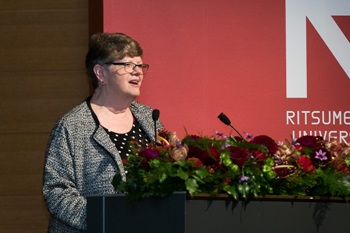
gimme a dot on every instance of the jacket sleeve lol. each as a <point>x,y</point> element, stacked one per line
<point>59,187</point>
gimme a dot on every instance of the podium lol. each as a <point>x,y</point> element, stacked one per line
<point>179,213</point>
<point>115,213</point>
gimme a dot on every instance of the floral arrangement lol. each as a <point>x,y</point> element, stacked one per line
<point>241,168</point>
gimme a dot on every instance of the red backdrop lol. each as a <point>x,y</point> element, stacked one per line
<point>213,56</point>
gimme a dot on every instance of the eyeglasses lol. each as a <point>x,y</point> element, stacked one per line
<point>130,66</point>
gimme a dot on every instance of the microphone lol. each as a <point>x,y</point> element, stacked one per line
<point>155,117</point>
<point>224,119</point>
<point>155,114</point>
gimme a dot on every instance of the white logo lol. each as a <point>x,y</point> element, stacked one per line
<point>320,13</point>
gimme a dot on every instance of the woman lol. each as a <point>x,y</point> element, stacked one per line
<point>87,145</point>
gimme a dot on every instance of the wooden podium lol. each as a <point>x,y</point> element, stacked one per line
<point>207,214</point>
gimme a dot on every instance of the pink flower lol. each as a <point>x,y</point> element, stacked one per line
<point>321,155</point>
<point>243,178</point>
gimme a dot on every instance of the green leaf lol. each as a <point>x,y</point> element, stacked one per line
<point>182,174</point>
<point>347,161</point>
<point>154,163</point>
<point>191,185</point>
<point>202,172</point>
<point>163,177</point>
<point>231,190</point>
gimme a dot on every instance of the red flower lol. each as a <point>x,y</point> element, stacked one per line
<point>148,154</point>
<point>202,155</point>
<point>265,141</point>
<point>194,137</point>
<point>259,155</point>
<point>308,141</point>
<point>227,180</point>
<point>196,161</point>
<point>238,155</point>
<point>306,164</point>
<point>343,168</point>
<point>196,152</point>
<point>209,159</point>
<point>214,152</point>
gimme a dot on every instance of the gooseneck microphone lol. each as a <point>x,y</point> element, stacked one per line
<point>224,119</point>
<point>155,117</point>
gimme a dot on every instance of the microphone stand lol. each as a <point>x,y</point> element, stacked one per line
<point>224,119</point>
<point>155,117</point>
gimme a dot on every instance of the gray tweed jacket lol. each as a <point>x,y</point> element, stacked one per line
<point>81,160</point>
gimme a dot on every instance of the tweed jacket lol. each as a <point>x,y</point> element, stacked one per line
<point>81,160</point>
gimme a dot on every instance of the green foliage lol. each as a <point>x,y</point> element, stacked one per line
<point>210,166</point>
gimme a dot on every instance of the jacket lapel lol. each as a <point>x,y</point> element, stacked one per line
<point>102,138</point>
<point>143,120</point>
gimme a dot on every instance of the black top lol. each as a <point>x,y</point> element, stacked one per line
<point>122,141</point>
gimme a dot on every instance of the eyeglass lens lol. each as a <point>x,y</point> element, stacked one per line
<point>130,67</point>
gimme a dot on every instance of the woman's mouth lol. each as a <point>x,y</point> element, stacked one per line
<point>135,82</point>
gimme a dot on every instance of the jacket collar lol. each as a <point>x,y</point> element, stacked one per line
<point>102,138</point>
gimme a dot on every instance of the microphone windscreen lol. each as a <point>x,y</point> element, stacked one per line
<point>224,119</point>
<point>155,114</point>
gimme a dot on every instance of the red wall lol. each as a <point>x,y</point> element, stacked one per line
<point>209,56</point>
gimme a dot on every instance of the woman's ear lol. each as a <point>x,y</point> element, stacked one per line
<point>100,73</point>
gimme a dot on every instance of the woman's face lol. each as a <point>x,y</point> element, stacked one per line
<point>122,79</point>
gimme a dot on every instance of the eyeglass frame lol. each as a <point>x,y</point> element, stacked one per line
<point>142,66</point>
